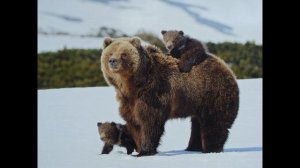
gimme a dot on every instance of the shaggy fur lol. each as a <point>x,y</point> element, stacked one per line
<point>115,134</point>
<point>151,89</point>
<point>189,51</point>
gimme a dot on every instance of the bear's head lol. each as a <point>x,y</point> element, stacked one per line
<point>171,38</point>
<point>109,132</point>
<point>120,55</point>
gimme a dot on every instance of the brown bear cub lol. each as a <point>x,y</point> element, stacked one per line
<point>115,134</point>
<point>189,51</point>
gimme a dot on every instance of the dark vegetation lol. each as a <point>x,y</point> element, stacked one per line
<point>81,67</point>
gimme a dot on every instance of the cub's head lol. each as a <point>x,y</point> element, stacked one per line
<point>120,55</point>
<point>109,132</point>
<point>172,38</point>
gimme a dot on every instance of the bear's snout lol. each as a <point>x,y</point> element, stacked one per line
<point>113,62</point>
<point>169,45</point>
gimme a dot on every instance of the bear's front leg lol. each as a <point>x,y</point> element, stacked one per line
<point>107,148</point>
<point>152,127</point>
<point>150,139</point>
<point>135,132</point>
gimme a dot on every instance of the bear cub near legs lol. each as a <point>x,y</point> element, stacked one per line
<point>115,134</point>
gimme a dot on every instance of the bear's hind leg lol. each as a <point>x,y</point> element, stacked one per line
<point>129,149</point>
<point>213,139</point>
<point>195,143</point>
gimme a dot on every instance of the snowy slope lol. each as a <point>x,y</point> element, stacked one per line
<point>68,137</point>
<point>207,20</point>
<point>52,43</point>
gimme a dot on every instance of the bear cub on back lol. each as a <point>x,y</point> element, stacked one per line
<point>189,51</point>
<point>115,134</point>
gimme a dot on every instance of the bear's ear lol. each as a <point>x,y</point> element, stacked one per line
<point>107,42</point>
<point>181,32</point>
<point>119,126</point>
<point>163,32</point>
<point>99,124</point>
<point>113,123</point>
<point>135,41</point>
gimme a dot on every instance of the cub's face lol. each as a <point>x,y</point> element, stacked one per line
<point>171,38</point>
<point>109,133</point>
<point>120,55</point>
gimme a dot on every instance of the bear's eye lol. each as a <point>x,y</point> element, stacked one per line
<point>124,55</point>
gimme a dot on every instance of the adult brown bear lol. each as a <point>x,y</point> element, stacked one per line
<point>151,90</point>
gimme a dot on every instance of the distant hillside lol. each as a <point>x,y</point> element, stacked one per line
<point>74,23</point>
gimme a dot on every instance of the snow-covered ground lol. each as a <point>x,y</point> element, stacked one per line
<point>206,20</point>
<point>68,137</point>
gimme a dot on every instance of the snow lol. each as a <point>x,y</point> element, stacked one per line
<point>206,20</point>
<point>52,43</point>
<point>68,137</point>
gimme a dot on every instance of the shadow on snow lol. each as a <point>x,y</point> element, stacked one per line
<point>181,152</point>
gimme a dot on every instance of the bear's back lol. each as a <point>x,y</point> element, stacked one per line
<point>205,79</point>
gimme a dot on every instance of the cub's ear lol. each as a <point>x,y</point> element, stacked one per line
<point>119,126</point>
<point>107,42</point>
<point>135,41</point>
<point>99,124</point>
<point>181,32</point>
<point>113,123</point>
<point>163,32</point>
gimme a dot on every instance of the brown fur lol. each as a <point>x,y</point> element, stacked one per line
<point>189,51</point>
<point>151,89</point>
<point>115,134</point>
